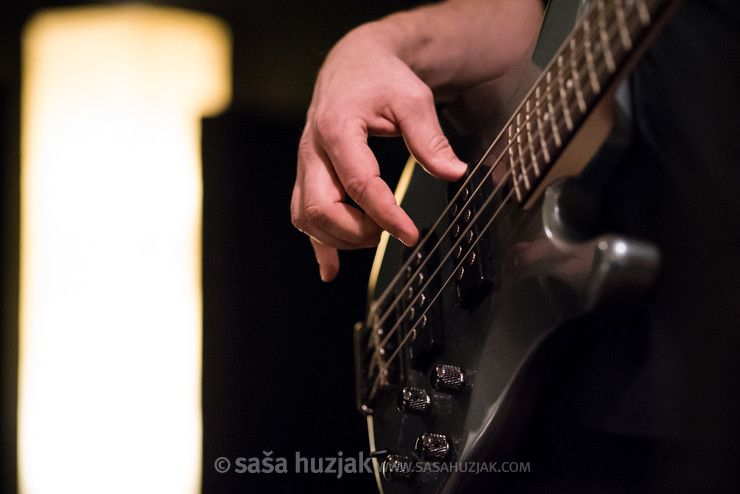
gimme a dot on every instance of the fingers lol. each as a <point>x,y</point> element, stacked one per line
<point>318,206</point>
<point>328,259</point>
<point>318,209</point>
<point>359,175</point>
<point>335,160</point>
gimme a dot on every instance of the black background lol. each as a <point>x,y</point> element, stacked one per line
<point>277,365</point>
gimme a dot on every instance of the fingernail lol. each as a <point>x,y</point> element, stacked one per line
<point>322,274</point>
<point>406,240</point>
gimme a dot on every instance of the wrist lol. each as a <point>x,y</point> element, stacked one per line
<point>459,43</point>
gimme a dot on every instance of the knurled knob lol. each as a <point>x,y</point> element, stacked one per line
<point>431,446</point>
<point>448,378</point>
<point>413,400</point>
<point>397,468</point>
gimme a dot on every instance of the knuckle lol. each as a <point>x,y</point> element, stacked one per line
<point>316,215</point>
<point>295,210</point>
<point>438,144</point>
<point>371,238</point>
<point>306,150</point>
<point>327,127</point>
<point>420,94</point>
<point>298,220</point>
<point>357,187</point>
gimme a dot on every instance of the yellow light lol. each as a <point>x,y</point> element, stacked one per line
<point>110,309</point>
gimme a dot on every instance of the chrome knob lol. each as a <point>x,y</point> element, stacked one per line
<point>431,446</point>
<point>397,468</point>
<point>413,400</point>
<point>448,378</point>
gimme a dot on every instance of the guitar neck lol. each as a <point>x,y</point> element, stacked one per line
<point>604,44</point>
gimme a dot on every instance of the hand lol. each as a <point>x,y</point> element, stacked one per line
<point>364,89</point>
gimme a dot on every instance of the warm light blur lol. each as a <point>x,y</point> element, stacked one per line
<point>110,310</point>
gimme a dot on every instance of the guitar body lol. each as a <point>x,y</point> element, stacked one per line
<point>507,345</point>
<point>464,330</point>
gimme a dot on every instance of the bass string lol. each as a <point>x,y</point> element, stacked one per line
<point>384,365</point>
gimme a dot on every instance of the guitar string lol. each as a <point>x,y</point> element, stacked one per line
<point>374,363</point>
<point>539,103</point>
<point>530,147</point>
<point>473,221</point>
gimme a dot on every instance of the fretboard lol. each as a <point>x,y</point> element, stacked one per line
<point>583,69</point>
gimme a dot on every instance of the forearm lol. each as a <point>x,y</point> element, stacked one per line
<point>459,43</point>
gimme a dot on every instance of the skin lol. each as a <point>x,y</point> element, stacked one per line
<point>383,79</point>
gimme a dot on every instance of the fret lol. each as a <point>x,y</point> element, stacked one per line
<point>564,96</point>
<point>540,126</point>
<point>643,11</point>
<point>624,32</point>
<point>621,51</point>
<point>522,163</point>
<point>604,35</point>
<point>513,165</point>
<point>550,116</point>
<point>590,64</point>
<point>576,77</point>
<point>530,143</point>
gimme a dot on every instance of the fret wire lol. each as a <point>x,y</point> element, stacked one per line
<point>564,95</point>
<point>610,64</point>
<point>643,11</point>
<point>575,76</point>
<point>522,164</point>
<point>512,162</point>
<point>540,128</point>
<point>530,144</point>
<point>545,152</point>
<point>516,161</point>
<point>622,23</point>
<point>550,114</point>
<point>593,78</point>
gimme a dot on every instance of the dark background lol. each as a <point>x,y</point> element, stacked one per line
<point>277,366</point>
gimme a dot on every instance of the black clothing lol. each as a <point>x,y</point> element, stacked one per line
<point>651,402</point>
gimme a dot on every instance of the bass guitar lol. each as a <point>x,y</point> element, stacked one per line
<point>461,328</point>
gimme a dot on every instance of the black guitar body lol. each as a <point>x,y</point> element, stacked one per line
<point>463,331</point>
<point>506,345</point>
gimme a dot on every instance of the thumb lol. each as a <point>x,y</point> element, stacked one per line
<point>428,144</point>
